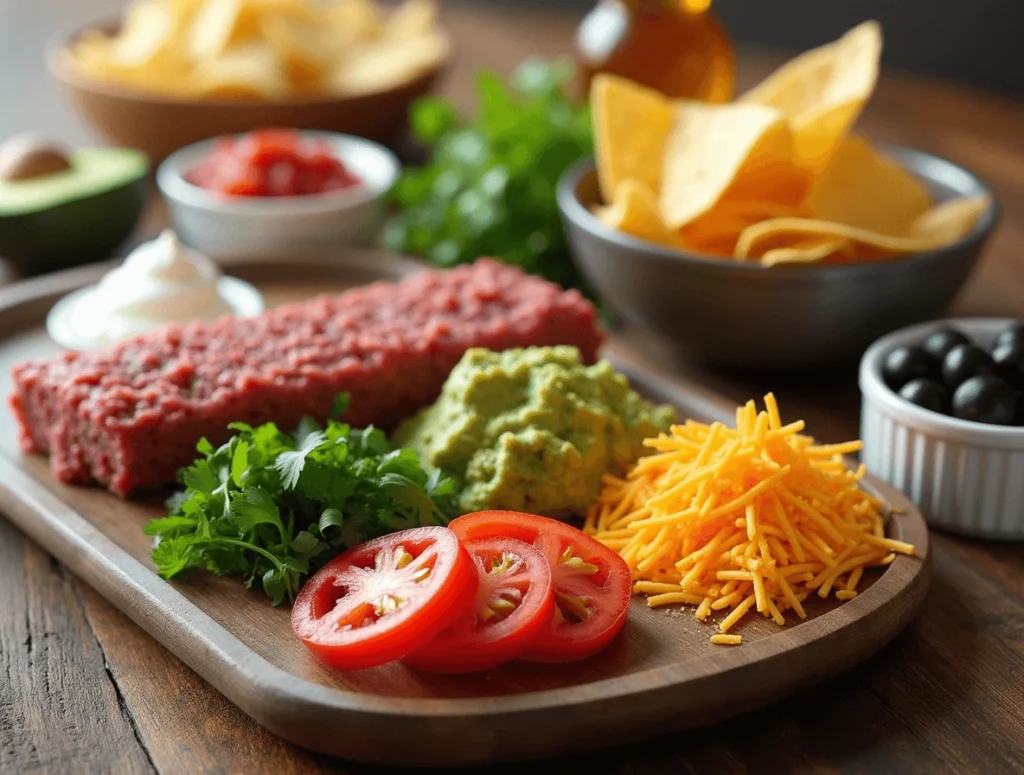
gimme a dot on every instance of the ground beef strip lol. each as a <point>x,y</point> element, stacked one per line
<point>130,416</point>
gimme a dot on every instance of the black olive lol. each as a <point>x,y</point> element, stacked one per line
<point>1009,357</point>
<point>965,361</point>
<point>1009,335</point>
<point>905,363</point>
<point>939,343</point>
<point>926,393</point>
<point>985,399</point>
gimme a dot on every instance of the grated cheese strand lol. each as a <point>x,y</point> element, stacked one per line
<point>755,518</point>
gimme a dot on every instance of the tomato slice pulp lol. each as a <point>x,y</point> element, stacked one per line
<point>592,584</point>
<point>383,599</point>
<point>514,603</point>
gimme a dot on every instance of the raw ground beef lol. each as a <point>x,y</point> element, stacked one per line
<point>129,417</point>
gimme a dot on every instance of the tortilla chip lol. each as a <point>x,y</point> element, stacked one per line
<point>634,210</point>
<point>863,188</point>
<point>631,126</point>
<point>711,148</point>
<point>944,224</point>
<point>807,251</point>
<point>823,91</point>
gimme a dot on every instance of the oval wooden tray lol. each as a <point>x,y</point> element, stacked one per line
<point>661,675</point>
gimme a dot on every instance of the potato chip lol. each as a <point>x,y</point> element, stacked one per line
<point>356,19</point>
<point>208,48</point>
<point>860,187</point>
<point>411,19</point>
<point>245,71</point>
<point>822,91</point>
<point>708,149</point>
<point>942,225</point>
<point>390,63</point>
<point>147,28</point>
<point>631,127</point>
<point>634,210</point>
<point>212,28</point>
<point>297,46</point>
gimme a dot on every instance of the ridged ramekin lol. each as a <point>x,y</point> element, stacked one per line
<point>965,477</point>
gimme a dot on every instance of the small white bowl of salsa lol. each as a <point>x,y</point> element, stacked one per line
<point>277,188</point>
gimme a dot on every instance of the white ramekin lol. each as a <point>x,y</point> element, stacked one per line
<point>216,224</point>
<point>965,477</point>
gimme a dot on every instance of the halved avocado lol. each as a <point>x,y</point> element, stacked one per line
<point>58,211</point>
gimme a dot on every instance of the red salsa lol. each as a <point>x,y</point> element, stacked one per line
<point>272,162</point>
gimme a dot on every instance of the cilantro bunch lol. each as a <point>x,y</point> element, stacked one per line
<point>272,507</point>
<point>489,189</point>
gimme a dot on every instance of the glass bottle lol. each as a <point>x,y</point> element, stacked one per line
<point>675,46</point>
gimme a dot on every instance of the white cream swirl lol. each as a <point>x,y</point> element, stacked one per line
<point>160,282</point>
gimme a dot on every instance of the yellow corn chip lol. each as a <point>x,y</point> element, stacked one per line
<point>942,225</point>
<point>822,91</point>
<point>634,210</point>
<point>631,126</point>
<point>807,251</point>
<point>860,187</point>
<point>708,150</point>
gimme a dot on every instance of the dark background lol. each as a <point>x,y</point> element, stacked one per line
<point>976,42</point>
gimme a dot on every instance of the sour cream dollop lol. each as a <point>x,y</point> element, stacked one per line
<point>160,282</point>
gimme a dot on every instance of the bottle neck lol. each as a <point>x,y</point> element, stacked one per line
<point>659,6</point>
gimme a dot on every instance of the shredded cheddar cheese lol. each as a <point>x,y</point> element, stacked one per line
<point>727,640</point>
<point>752,518</point>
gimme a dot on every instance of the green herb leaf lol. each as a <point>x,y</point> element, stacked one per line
<point>239,463</point>
<point>489,188</point>
<point>164,525</point>
<point>267,506</point>
<point>274,585</point>
<point>200,476</point>
<point>173,555</point>
<point>255,506</point>
<point>306,544</point>
<point>330,519</point>
<point>339,406</point>
<point>289,464</point>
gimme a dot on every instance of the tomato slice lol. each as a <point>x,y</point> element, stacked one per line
<point>592,584</point>
<point>514,602</point>
<point>385,598</point>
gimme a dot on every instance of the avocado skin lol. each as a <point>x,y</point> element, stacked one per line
<point>80,231</point>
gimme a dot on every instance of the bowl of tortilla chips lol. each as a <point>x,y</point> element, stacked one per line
<point>765,231</point>
<point>172,72</point>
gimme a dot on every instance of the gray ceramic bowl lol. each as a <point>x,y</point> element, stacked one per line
<point>739,314</point>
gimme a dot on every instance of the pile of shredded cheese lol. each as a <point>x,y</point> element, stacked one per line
<point>752,517</point>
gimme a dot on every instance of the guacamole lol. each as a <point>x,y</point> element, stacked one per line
<point>533,430</point>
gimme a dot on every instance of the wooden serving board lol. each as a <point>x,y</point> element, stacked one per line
<point>662,674</point>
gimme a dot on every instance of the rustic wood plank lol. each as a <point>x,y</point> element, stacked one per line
<point>59,710</point>
<point>186,726</point>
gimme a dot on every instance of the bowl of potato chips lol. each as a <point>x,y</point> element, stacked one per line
<point>765,230</point>
<point>172,72</point>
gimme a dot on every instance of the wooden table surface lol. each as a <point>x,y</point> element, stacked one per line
<point>82,689</point>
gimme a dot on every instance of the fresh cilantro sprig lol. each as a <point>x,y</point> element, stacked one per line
<point>489,189</point>
<point>272,507</point>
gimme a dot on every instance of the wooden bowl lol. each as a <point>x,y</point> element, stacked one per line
<point>159,125</point>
